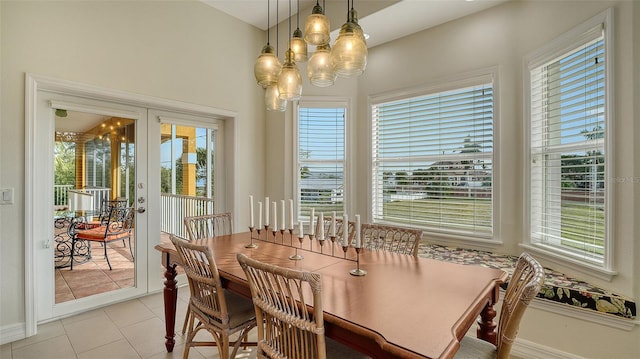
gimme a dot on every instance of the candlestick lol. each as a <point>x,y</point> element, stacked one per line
<point>291,213</point>
<point>282,213</point>
<point>312,218</point>
<point>345,230</point>
<point>275,216</point>
<point>358,244</point>
<point>260,215</point>
<point>266,211</point>
<point>251,211</point>
<point>333,224</point>
<point>321,226</point>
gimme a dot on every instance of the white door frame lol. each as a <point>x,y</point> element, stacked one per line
<point>36,211</point>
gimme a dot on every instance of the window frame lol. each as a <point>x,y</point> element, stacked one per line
<point>450,83</point>
<point>554,50</point>
<point>321,102</point>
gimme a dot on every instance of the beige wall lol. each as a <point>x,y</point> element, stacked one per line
<point>502,37</point>
<point>180,51</point>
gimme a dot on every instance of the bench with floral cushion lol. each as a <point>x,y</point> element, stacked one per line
<point>558,287</point>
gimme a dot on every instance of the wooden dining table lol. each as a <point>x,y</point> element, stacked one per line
<point>404,307</point>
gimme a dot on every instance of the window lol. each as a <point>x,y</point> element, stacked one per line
<point>569,124</point>
<point>432,158</point>
<point>320,174</point>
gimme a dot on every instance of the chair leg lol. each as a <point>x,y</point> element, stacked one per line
<point>130,248</point>
<point>73,245</point>
<point>106,256</point>
<point>186,320</point>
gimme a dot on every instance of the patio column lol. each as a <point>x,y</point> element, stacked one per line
<point>189,160</point>
<point>115,166</point>
<point>81,175</point>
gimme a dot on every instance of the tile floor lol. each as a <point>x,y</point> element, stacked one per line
<point>132,329</point>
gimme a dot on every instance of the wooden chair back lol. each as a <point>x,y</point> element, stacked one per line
<point>390,238</point>
<point>209,226</point>
<point>288,307</point>
<point>525,283</point>
<point>207,294</point>
<point>326,222</point>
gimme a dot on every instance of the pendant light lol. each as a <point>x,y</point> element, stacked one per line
<point>320,68</point>
<point>297,44</point>
<point>316,28</point>
<point>272,98</point>
<point>267,65</point>
<point>349,53</point>
<point>289,80</point>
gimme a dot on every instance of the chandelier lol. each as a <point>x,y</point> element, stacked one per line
<point>346,58</point>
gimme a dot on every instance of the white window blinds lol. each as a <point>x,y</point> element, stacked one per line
<point>433,161</point>
<point>321,151</point>
<point>567,151</point>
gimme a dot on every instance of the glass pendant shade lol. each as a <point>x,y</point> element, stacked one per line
<point>349,53</point>
<point>299,46</point>
<point>316,27</point>
<point>272,99</point>
<point>267,67</point>
<point>320,69</point>
<point>290,81</point>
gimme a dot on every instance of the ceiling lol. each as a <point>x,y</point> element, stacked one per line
<point>382,20</point>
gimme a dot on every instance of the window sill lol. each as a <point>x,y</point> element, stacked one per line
<point>586,268</point>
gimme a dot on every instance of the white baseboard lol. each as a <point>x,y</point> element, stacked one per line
<point>13,332</point>
<point>529,350</point>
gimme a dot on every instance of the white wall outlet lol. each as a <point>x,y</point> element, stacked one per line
<point>6,195</point>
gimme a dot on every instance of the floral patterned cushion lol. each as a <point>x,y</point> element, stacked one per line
<point>558,287</point>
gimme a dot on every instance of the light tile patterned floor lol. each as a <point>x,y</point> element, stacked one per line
<point>132,329</point>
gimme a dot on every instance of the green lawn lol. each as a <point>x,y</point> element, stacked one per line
<point>579,220</point>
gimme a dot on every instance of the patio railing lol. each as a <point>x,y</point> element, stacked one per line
<point>175,207</point>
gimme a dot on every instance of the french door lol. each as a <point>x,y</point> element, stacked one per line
<point>114,144</point>
<point>87,151</point>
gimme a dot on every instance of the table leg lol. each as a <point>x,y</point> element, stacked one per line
<point>486,326</point>
<point>170,302</point>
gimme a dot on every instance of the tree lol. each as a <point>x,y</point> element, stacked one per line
<point>64,163</point>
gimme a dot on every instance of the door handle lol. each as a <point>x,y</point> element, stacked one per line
<point>141,210</point>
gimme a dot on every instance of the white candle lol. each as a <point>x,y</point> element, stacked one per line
<point>282,213</point>
<point>312,219</point>
<point>251,211</point>
<point>266,211</point>
<point>345,230</point>
<point>259,215</point>
<point>275,216</point>
<point>300,230</point>
<point>321,225</point>
<point>291,213</point>
<point>358,231</point>
<point>333,224</point>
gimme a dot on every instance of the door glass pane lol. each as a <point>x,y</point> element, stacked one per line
<point>94,191</point>
<point>187,174</point>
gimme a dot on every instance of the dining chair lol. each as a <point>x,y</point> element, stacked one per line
<point>119,226</point>
<point>326,222</point>
<point>288,306</point>
<point>209,226</point>
<point>395,239</point>
<point>105,211</point>
<point>213,308</point>
<point>524,285</point>
<point>202,227</point>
